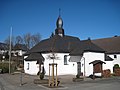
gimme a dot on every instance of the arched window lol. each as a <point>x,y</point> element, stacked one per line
<point>27,66</point>
<point>115,56</point>
<point>65,60</point>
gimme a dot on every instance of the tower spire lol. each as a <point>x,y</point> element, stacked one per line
<point>59,12</point>
<point>59,22</point>
<point>59,30</point>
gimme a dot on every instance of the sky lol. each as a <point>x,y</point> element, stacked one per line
<point>81,18</point>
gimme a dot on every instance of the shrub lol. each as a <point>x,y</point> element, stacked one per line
<point>77,76</point>
<point>41,76</point>
<point>4,67</point>
<point>115,66</point>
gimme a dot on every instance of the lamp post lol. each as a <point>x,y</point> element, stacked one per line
<point>10,49</point>
<point>22,69</point>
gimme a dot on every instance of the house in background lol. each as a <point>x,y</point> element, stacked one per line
<point>17,53</point>
<point>3,50</point>
<point>19,49</point>
<point>74,56</point>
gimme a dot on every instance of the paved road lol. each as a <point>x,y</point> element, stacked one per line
<point>1,86</point>
<point>12,82</point>
<point>106,84</point>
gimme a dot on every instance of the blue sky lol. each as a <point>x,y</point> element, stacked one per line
<point>81,18</point>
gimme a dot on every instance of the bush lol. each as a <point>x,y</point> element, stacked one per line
<point>115,66</point>
<point>41,76</point>
<point>106,73</point>
<point>77,76</point>
<point>5,67</point>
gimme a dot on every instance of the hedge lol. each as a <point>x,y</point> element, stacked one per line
<point>5,67</point>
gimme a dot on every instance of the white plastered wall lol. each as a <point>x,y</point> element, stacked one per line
<point>110,64</point>
<point>70,68</point>
<point>89,57</point>
<point>31,67</point>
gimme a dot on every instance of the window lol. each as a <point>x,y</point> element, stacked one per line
<point>27,66</point>
<point>65,60</point>
<point>115,56</point>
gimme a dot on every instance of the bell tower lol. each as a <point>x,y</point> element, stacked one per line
<point>59,24</point>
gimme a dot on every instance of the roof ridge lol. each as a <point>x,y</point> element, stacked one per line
<point>106,38</point>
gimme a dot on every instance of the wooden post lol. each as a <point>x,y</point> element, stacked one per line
<point>54,81</point>
<point>49,74</point>
<point>39,68</point>
<point>53,74</point>
<point>56,76</point>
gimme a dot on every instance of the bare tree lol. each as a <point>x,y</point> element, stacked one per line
<point>7,41</point>
<point>27,39</point>
<point>19,40</point>
<point>35,39</point>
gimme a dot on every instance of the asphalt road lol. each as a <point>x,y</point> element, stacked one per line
<point>100,84</point>
<point>1,86</point>
<point>106,84</point>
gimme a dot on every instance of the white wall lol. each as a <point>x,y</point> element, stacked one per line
<point>62,69</point>
<point>32,68</point>
<point>110,64</point>
<point>89,57</point>
<point>116,60</point>
<point>70,68</point>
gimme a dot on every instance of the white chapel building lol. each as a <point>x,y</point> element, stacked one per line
<point>72,55</point>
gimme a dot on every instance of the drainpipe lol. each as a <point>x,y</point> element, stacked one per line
<point>84,67</point>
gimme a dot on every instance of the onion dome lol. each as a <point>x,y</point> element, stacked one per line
<point>59,30</point>
<point>59,22</point>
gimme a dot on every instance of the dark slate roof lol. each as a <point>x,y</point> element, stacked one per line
<point>84,46</point>
<point>110,45</point>
<point>35,56</point>
<point>96,62</point>
<point>56,44</point>
<point>26,54</point>
<point>3,46</point>
<point>89,46</point>
<point>20,47</point>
